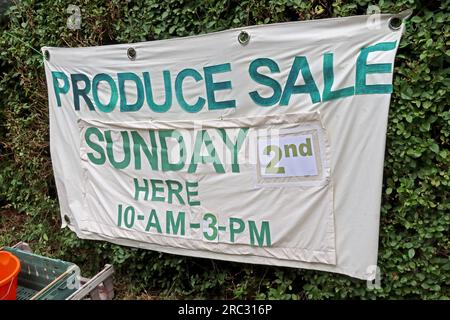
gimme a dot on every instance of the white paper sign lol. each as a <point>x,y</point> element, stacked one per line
<point>287,156</point>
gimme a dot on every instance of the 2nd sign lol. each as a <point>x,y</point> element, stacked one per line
<point>292,155</point>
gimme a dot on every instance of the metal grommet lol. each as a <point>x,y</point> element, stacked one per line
<point>67,219</point>
<point>395,23</point>
<point>46,55</point>
<point>131,53</point>
<point>243,37</point>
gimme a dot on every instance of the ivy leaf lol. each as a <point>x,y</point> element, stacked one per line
<point>435,148</point>
<point>413,153</point>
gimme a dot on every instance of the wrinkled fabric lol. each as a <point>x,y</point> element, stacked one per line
<point>323,216</point>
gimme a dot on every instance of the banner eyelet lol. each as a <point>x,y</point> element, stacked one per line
<point>395,23</point>
<point>67,219</point>
<point>244,38</point>
<point>131,53</point>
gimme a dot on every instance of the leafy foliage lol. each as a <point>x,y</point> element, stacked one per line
<point>414,231</point>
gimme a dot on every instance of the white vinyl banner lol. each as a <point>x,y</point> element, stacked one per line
<point>262,145</point>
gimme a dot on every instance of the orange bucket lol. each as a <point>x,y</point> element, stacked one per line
<point>9,272</point>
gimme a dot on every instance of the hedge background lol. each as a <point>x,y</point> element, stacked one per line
<point>414,232</point>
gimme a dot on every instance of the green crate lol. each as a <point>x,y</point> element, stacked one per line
<point>43,278</point>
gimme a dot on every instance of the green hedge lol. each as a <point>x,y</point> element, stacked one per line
<point>414,231</point>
